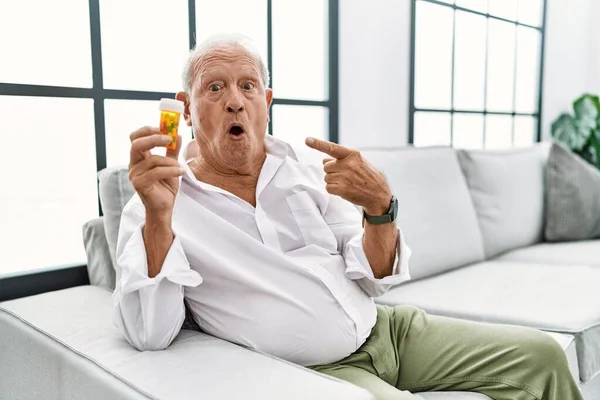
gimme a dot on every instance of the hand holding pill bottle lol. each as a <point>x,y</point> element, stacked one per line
<point>170,111</point>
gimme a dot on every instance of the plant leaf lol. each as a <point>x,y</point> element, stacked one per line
<point>567,131</point>
<point>595,148</point>
<point>587,155</point>
<point>587,110</point>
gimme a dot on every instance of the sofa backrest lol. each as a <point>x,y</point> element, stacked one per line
<point>507,189</point>
<point>448,219</point>
<point>436,215</point>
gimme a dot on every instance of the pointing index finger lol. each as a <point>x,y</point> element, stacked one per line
<point>333,149</point>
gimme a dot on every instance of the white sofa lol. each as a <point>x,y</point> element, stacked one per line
<point>474,221</point>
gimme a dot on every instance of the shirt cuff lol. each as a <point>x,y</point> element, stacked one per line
<point>133,263</point>
<point>358,267</point>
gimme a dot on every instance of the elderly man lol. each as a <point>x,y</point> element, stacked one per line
<point>270,253</point>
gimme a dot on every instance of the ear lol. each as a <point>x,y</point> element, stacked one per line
<point>269,98</point>
<point>183,96</point>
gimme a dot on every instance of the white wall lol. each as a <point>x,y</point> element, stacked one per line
<point>375,66</point>
<point>572,61</point>
<point>374,72</point>
<point>593,64</point>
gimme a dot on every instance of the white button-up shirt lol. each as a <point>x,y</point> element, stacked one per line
<point>288,277</point>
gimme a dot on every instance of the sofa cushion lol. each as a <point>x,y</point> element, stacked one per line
<point>99,265</point>
<point>555,298</point>
<point>585,252</point>
<point>95,355</point>
<point>572,198</point>
<point>36,366</point>
<point>436,214</point>
<point>115,191</point>
<point>507,188</point>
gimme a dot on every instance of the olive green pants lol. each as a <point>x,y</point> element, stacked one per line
<point>410,351</point>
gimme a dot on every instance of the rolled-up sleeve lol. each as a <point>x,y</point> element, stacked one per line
<point>149,311</point>
<point>345,221</point>
<point>359,269</point>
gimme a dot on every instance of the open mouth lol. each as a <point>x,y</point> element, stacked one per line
<point>236,130</point>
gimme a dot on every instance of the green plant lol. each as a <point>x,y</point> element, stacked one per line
<point>581,132</point>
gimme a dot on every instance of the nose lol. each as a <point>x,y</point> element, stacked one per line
<point>234,103</point>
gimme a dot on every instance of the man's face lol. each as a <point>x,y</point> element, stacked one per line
<point>228,108</point>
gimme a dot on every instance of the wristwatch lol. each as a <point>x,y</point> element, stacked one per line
<point>386,218</point>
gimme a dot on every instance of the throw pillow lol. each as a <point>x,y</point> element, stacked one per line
<point>507,190</point>
<point>572,197</point>
<point>115,191</point>
<point>99,264</point>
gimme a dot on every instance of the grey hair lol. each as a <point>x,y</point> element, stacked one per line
<point>224,40</point>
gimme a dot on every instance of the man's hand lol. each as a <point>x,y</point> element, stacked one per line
<point>155,178</point>
<point>353,178</point>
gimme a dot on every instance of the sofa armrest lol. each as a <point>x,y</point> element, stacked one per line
<point>99,264</point>
<point>76,344</point>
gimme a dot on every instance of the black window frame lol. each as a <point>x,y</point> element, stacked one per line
<point>30,282</point>
<point>451,110</point>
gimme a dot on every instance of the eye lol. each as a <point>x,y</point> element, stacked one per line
<point>214,87</point>
<point>248,86</point>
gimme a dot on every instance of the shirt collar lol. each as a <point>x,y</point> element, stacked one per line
<point>279,148</point>
<point>273,147</point>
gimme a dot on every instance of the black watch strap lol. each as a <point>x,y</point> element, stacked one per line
<point>386,218</point>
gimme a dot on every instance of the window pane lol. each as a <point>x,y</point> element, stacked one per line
<point>141,48</point>
<point>248,17</point>
<point>294,124</point>
<point>433,55</point>
<point>300,54</point>
<point>501,56</point>
<point>525,131</point>
<point>530,12</point>
<point>125,116</point>
<point>476,5</point>
<point>528,59</point>
<point>432,129</point>
<point>469,61</point>
<point>468,131</point>
<point>503,8</point>
<point>52,181</point>
<point>49,42</point>
<point>498,132</point>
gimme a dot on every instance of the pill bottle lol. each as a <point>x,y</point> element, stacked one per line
<point>170,111</point>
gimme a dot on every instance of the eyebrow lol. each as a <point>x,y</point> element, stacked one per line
<point>208,75</point>
<point>250,75</point>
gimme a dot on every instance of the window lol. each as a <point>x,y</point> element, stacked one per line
<point>48,180</point>
<point>476,73</point>
<point>82,80</point>
<point>141,49</point>
<point>303,69</point>
<point>31,39</point>
<point>298,122</point>
<point>302,61</point>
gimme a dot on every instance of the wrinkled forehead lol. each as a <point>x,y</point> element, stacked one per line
<point>230,60</point>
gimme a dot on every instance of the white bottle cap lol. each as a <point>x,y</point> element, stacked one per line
<point>171,105</point>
